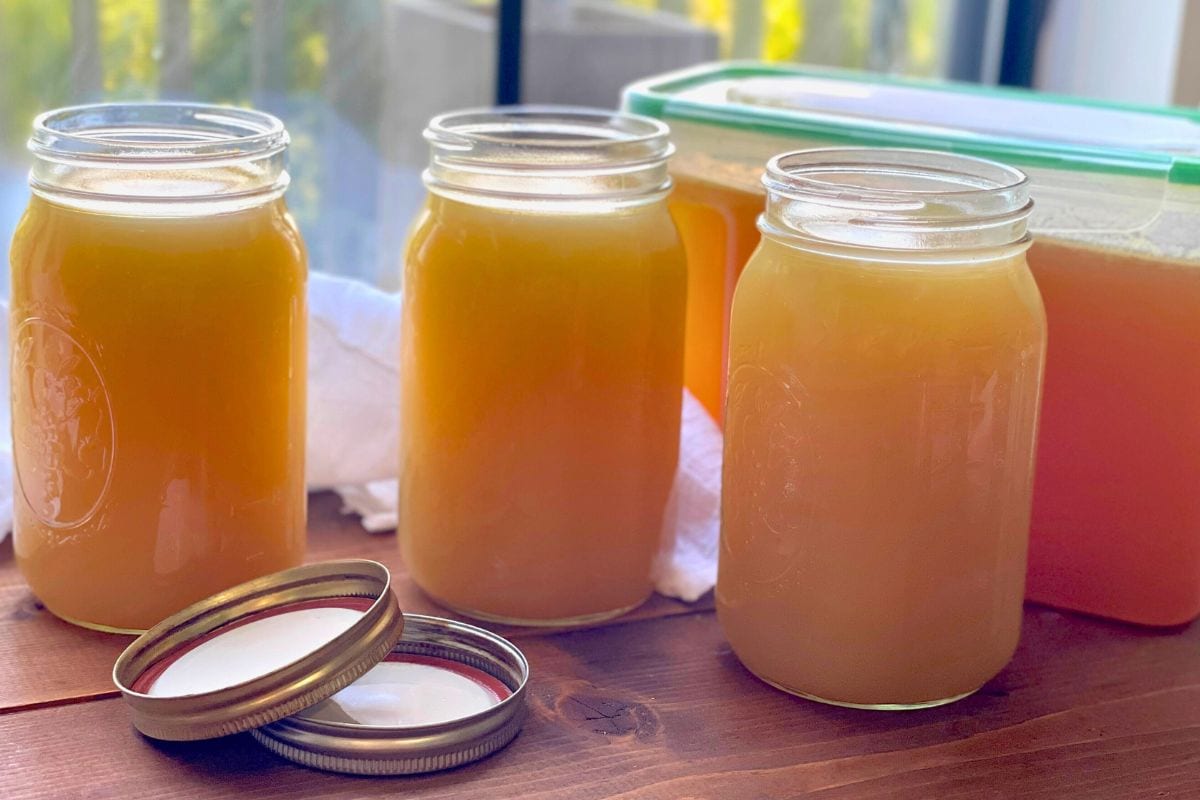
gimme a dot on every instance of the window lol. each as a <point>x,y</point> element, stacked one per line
<point>356,80</point>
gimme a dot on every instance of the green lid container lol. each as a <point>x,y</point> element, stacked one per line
<point>1099,169</point>
<point>1115,526</point>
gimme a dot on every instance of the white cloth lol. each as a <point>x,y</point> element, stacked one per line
<point>689,568</point>
<point>353,431</point>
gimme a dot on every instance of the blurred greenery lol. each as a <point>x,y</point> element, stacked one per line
<point>311,62</point>
<point>37,46</point>
<point>309,53</point>
<point>39,49</point>
<point>221,43</point>
<point>35,49</point>
<point>830,32</point>
<point>784,26</point>
<point>128,32</point>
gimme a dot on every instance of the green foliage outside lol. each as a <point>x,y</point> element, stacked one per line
<point>35,58</point>
<point>829,32</point>
<point>221,40</point>
<point>38,40</point>
<point>309,61</point>
<point>127,32</point>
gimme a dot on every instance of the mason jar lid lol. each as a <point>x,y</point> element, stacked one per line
<point>448,694</point>
<point>260,651</point>
<point>315,655</point>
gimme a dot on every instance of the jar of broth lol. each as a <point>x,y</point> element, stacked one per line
<point>542,362</point>
<point>158,361</point>
<point>885,371</point>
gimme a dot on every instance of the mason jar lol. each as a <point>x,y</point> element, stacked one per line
<point>542,359</point>
<point>885,368</point>
<point>157,330</point>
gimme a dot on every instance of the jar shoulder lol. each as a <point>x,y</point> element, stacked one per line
<point>647,230</point>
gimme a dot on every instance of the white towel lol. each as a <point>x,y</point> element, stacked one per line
<point>353,431</point>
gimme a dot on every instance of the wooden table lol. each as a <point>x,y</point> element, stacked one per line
<point>650,706</point>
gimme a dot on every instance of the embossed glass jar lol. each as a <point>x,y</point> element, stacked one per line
<point>158,360</point>
<point>885,373</point>
<point>541,364</point>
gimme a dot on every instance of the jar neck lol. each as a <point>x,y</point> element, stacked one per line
<point>891,204</point>
<point>567,159</point>
<point>161,159</point>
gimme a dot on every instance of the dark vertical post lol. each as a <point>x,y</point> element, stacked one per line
<point>508,52</point>
<point>1021,31</point>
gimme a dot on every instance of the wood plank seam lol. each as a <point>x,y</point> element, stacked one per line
<point>60,701</point>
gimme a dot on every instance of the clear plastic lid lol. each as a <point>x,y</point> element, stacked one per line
<point>1003,124</point>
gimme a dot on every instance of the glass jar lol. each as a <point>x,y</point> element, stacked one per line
<point>542,361</point>
<point>158,361</point>
<point>885,370</point>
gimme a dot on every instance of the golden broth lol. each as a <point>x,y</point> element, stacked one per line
<point>542,383</point>
<point>879,444</point>
<point>158,406</point>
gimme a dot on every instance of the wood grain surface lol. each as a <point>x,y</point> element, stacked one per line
<point>44,661</point>
<point>661,709</point>
<point>657,707</point>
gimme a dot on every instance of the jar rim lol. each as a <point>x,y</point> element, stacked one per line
<point>565,158</point>
<point>896,198</point>
<point>156,132</point>
<point>793,173</point>
<point>555,128</point>
<point>158,158</point>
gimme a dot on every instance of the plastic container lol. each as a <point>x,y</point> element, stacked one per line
<point>1116,254</point>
